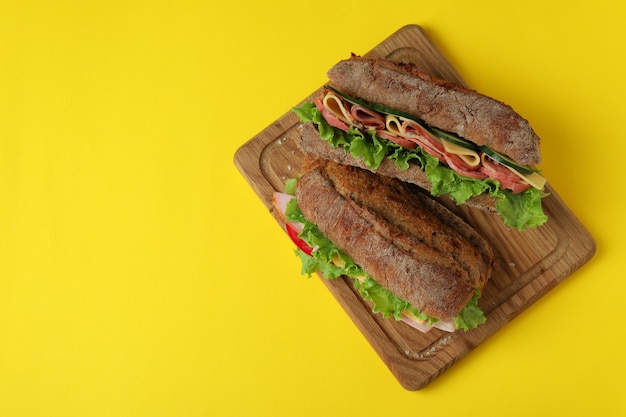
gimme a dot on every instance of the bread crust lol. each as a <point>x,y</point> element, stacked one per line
<point>407,242</point>
<point>442,104</point>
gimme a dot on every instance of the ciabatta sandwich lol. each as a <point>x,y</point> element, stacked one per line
<point>407,254</point>
<point>398,121</point>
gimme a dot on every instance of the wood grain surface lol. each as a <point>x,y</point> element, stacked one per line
<point>530,263</point>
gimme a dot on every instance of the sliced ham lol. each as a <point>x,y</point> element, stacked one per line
<point>280,201</point>
<point>418,133</point>
<point>414,129</point>
<point>398,140</point>
<point>446,325</point>
<point>463,168</point>
<point>515,186</point>
<point>368,118</point>
<point>424,328</point>
<point>503,175</point>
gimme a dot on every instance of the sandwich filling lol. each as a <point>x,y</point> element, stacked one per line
<point>454,166</point>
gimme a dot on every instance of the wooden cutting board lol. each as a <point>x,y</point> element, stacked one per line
<point>530,262</point>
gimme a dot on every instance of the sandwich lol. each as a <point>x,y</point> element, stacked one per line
<point>395,119</point>
<point>407,254</point>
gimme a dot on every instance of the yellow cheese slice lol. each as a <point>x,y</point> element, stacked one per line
<point>468,156</point>
<point>340,263</point>
<point>412,316</point>
<point>535,180</point>
<point>393,125</point>
<point>334,104</point>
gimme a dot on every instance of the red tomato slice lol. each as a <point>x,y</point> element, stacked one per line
<point>301,244</point>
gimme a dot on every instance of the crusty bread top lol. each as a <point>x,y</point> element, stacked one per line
<point>442,104</point>
<point>408,243</point>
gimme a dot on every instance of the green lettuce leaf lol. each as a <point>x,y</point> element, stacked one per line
<point>446,181</point>
<point>385,303</point>
<point>306,112</point>
<point>471,315</point>
<point>290,186</point>
<point>521,211</point>
<point>367,146</point>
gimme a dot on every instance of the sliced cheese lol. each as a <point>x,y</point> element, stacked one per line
<point>412,316</point>
<point>468,156</point>
<point>408,128</point>
<point>393,125</point>
<point>334,104</point>
<point>340,263</point>
<point>534,179</point>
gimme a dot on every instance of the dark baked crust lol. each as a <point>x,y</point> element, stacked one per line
<point>309,141</point>
<point>439,103</point>
<point>407,242</point>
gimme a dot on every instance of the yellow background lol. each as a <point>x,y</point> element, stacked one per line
<point>141,276</point>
